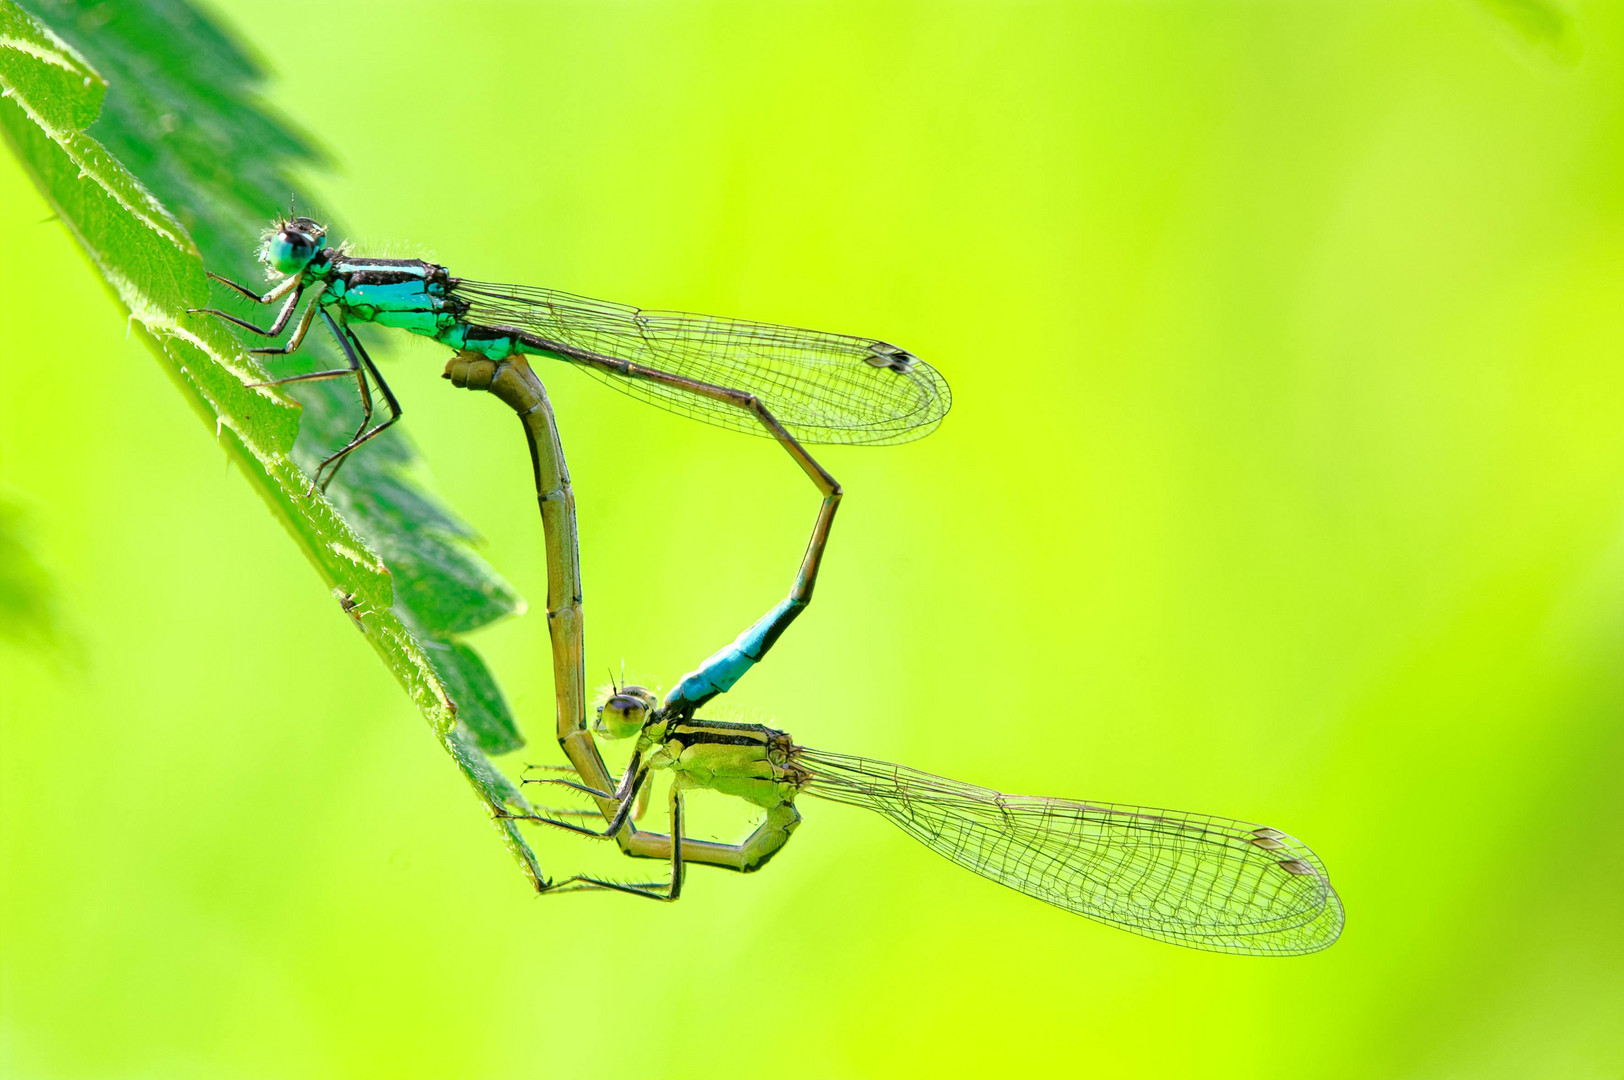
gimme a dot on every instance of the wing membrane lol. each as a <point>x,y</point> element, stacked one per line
<point>1191,879</point>
<point>825,388</point>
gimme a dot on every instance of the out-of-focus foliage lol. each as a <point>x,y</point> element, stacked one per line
<point>140,107</point>
<point>1544,24</point>
<point>28,612</point>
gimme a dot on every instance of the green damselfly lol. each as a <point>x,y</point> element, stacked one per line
<point>787,383</point>
<point>1197,880</point>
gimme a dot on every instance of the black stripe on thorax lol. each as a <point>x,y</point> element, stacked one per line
<point>389,271</point>
<point>718,733</point>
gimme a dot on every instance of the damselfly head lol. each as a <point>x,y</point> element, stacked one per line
<point>290,245</point>
<point>624,712</point>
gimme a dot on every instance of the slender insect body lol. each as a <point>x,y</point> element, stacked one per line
<point>418,297</point>
<point>792,385</point>
<point>1193,879</point>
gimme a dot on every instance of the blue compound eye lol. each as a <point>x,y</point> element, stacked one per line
<point>293,246</point>
<point>289,251</point>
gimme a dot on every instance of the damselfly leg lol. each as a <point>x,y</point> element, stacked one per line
<point>667,891</point>
<point>359,365</point>
<point>359,360</point>
<point>750,854</point>
<point>292,285</point>
<point>637,811</point>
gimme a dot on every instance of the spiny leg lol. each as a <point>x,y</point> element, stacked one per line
<point>292,284</point>
<point>357,356</point>
<point>624,798</point>
<point>296,338</point>
<point>353,368</point>
<point>274,294</point>
<point>638,809</point>
<point>650,890</point>
<point>359,364</point>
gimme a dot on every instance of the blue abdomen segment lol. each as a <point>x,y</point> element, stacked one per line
<point>493,344</point>
<point>727,665</point>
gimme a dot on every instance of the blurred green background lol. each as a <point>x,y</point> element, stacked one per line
<point>1284,480</point>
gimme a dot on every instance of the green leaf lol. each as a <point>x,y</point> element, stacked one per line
<point>92,106</point>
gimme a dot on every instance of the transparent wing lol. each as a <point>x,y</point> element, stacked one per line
<point>825,388</point>
<point>1190,879</point>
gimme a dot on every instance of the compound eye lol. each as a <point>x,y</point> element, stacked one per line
<point>624,713</point>
<point>290,250</point>
<point>299,247</point>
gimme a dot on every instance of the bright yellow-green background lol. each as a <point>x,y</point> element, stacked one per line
<point>1284,479</point>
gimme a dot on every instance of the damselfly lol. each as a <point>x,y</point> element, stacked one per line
<point>801,385</point>
<point>1191,879</point>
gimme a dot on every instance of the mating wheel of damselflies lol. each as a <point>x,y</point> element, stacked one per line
<point>794,386</point>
